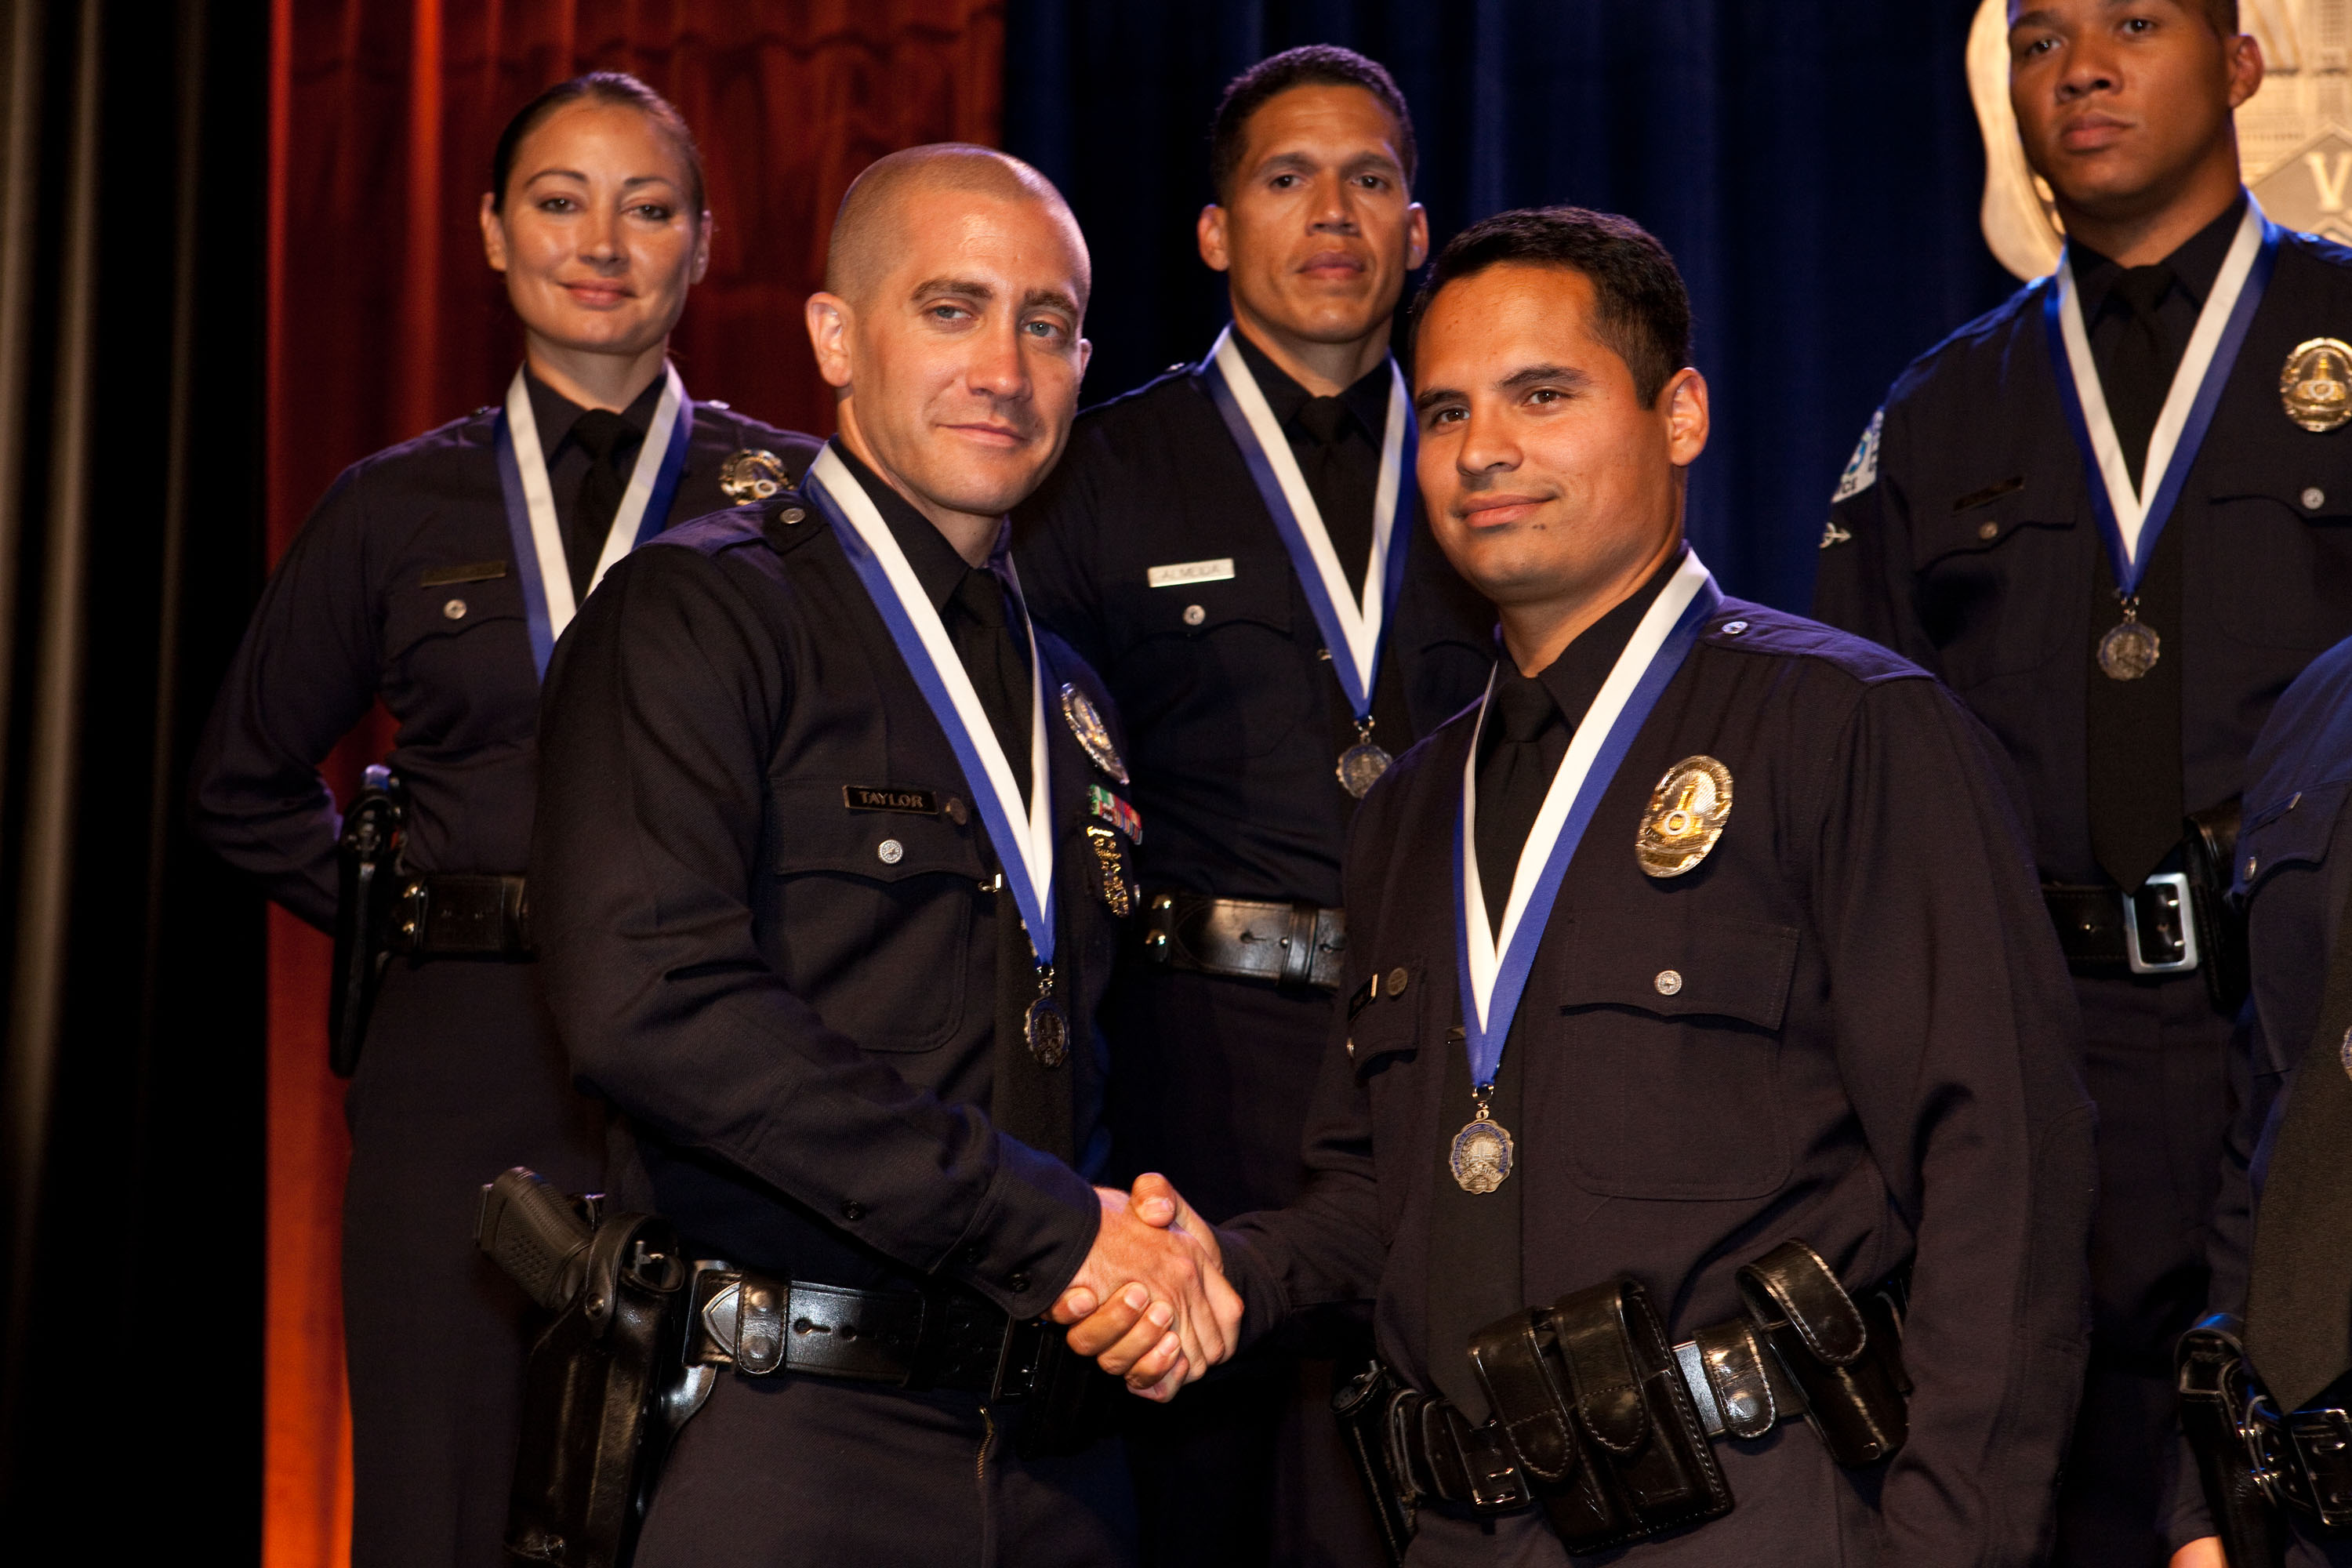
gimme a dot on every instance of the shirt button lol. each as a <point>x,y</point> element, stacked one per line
<point>1988,530</point>
<point>957,813</point>
<point>1398,981</point>
<point>1668,982</point>
<point>891,851</point>
<point>790,515</point>
<point>1194,614</point>
<point>2251,862</point>
<point>455,609</point>
<point>853,1210</point>
<point>1017,1284</point>
<point>974,1255</point>
<point>2314,497</point>
<point>1733,628</point>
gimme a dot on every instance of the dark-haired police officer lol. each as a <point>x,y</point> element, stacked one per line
<point>1237,547</point>
<point>831,847</point>
<point>1697,996</point>
<point>435,577</point>
<point>2111,514</point>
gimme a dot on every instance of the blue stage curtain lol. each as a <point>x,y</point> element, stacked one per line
<point>1813,164</point>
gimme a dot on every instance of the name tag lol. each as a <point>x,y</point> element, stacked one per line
<point>877,797</point>
<point>1184,572</point>
<point>473,571</point>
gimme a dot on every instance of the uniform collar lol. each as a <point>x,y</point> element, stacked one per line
<point>1368,399</point>
<point>936,564</point>
<point>556,414</point>
<point>2196,263</point>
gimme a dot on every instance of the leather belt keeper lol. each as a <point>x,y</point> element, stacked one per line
<point>448,915</point>
<point>1296,944</point>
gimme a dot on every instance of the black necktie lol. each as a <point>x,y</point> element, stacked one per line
<point>2139,368</point>
<point>996,656</point>
<point>1336,484</point>
<point>609,440</point>
<point>1512,781</point>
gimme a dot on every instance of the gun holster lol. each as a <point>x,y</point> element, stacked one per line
<point>2210,856</point>
<point>367,858</point>
<point>2217,1398</point>
<point>607,1387</point>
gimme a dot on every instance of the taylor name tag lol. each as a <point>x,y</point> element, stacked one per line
<point>874,798</point>
<point>1184,572</point>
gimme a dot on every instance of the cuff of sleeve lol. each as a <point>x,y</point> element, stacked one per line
<point>1265,1307</point>
<point>2185,1513</point>
<point>1032,1232</point>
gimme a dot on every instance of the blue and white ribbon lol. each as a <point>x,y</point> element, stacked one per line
<point>2132,516</point>
<point>1494,965</point>
<point>1349,624</point>
<point>1023,835</point>
<point>531,523</point>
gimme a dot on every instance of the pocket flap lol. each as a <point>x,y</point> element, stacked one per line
<point>818,832</point>
<point>1676,965</point>
<point>412,614</point>
<point>1384,1015</point>
<point>1259,592</point>
<point>2294,832</point>
<point>1978,513</point>
<point>2308,482</point>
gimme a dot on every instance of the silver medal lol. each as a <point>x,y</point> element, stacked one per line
<point>1360,767</point>
<point>1481,1156</point>
<point>2129,650</point>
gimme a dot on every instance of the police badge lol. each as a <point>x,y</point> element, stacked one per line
<point>751,474</point>
<point>2311,385</point>
<point>1687,811</point>
<point>1094,736</point>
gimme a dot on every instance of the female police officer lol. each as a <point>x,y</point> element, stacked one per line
<point>435,576</point>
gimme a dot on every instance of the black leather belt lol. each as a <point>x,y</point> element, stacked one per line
<point>2151,931</point>
<point>460,916</point>
<point>760,1325</point>
<point>1293,943</point>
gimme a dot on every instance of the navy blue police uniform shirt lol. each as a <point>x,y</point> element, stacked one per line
<point>803,1008</point>
<point>1236,716</point>
<point>401,587</point>
<point>1976,557</point>
<point>1866,1041</point>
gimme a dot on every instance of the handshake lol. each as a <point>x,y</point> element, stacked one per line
<point>1150,1303</point>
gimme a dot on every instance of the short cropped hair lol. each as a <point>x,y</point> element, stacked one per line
<point>1641,310</point>
<point>1311,65</point>
<point>860,248</point>
<point>615,88</point>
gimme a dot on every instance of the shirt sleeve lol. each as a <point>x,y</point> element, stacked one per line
<point>657,730</point>
<point>1865,583</point>
<point>1959,1046</point>
<point>307,671</point>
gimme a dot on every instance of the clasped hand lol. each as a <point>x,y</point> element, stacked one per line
<point>1150,1303</point>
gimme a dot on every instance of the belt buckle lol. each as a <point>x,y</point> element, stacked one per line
<point>2168,893</point>
<point>1496,1484</point>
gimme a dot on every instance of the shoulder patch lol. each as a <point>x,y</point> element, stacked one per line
<point>1861,469</point>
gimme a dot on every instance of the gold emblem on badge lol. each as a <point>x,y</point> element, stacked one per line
<point>1687,811</point>
<point>1094,736</point>
<point>2313,385</point>
<point>751,474</point>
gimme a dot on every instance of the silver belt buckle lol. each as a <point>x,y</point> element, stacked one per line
<point>1692,1362</point>
<point>2169,890</point>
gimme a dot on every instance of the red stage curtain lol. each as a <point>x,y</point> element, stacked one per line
<point>384,322</point>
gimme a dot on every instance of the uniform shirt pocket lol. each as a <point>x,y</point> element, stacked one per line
<point>1987,547</point>
<point>1207,662</point>
<point>457,669</point>
<point>2277,559</point>
<point>863,893</point>
<point>1664,1028</point>
<point>2293,832</point>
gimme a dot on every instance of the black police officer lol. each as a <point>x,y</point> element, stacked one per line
<point>434,577</point>
<point>2280,1225</point>
<point>2110,515</point>
<point>1697,986</point>
<point>829,854</point>
<point>1237,547</point>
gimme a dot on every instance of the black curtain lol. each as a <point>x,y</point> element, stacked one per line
<point>131,229</point>
<point>1813,166</point>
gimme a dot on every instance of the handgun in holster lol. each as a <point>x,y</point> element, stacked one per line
<point>606,1388</point>
<point>367,861</point>
<point>2218,1401</point>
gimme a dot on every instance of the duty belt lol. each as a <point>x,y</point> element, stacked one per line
<point>2151,931</point>
<point>461,916</point>
<point>1296,943</point>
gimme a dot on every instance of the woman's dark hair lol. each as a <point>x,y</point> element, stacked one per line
<point>617,87</point>
<point>1640,309</point>
<point>1310,64</point>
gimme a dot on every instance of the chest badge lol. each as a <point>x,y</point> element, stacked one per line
<point>2313,387</point>
<point>751,474</point>
<point>1094,736</point>
<point>1687,811</point>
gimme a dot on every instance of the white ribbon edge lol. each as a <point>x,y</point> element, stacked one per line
<point>1036,850</point>
<point>538,496</point>
<point>1359,618</point>
<point>1485,945</point>
<point>2129,501</point>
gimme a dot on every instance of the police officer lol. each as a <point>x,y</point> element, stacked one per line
<point>2280,1224</point>
<point>1696,995</point>
<point>830,848</point>
<point>2110,514</point>
<point>433,578</point>
<point>1236,546</point>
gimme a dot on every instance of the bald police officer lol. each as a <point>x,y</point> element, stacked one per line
<point>828,866</point>
<point>2111,515</point>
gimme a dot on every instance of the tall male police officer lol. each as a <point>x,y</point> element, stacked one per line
<point>1698,989</point>
<point>2113,514</point>
<point>1236,547</point>
<point>829,850</point>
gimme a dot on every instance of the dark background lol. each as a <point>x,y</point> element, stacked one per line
<point>1813,166</point>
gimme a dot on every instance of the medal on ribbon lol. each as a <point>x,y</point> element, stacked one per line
<point>531,524</point>
<point>2132,515</point>
<point>1351,626</point>
<point>1494,963</point>
<point>1023,832</point>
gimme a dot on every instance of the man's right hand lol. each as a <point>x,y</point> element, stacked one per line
<point>1134,1328</point>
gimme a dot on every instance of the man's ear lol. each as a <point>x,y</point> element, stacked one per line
<point>1684,401</point>
<point>1416,244</point>
<point>2245,57</point>
<point>1210,230</point>
<point>494,236</point>
<point>829,330</point>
